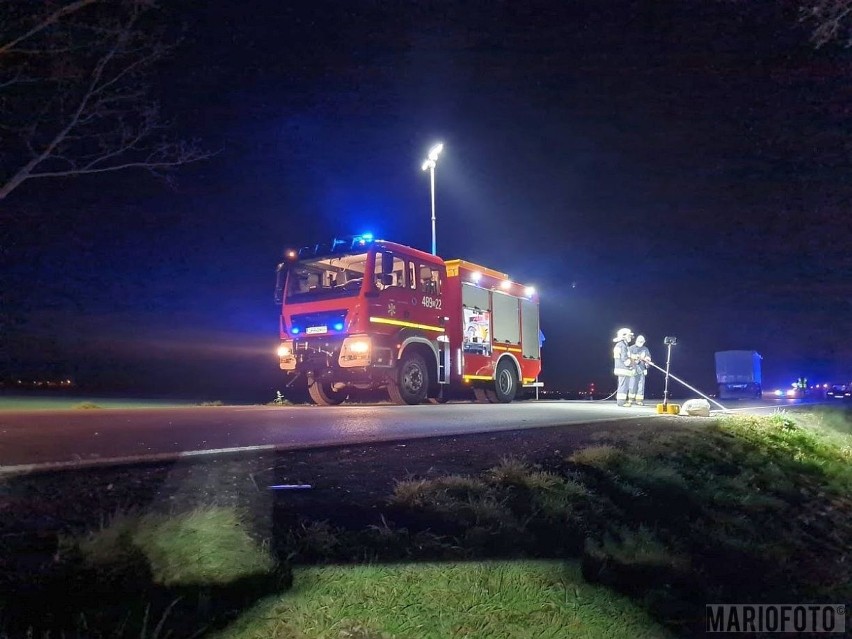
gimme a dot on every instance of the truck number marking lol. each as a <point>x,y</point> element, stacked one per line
<point>432,302</point>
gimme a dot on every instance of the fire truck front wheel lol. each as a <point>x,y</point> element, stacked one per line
<point>323,395</point>
<point>412,380</point>
<point>505,384</point>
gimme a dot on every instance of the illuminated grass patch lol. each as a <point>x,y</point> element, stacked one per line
<point>206,545</point>
<point>474,600</point>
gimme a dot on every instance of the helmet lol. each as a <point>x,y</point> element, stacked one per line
<point>640,340</point>
<point>623,334</point>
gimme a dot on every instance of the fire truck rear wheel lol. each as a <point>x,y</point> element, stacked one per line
<point>412,381</point>
<point>323,395</point>
<point>505,384</point>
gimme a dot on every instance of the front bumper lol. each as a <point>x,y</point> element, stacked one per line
<point>339,357</point>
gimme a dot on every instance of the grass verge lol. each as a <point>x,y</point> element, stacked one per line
<point>474,600</point>
<point>739,508</point>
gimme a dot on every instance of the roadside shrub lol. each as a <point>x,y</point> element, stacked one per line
<point>601,457</point>
<point>419,493</point>
<point>315,540</point>
<point>509,472</point>
<point>640,546</point>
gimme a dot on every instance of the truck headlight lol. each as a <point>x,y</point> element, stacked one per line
<point>286,358</point>
<point>360,347</point>
<point>355,351</point>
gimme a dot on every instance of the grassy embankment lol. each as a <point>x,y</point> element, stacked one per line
<point>622,538</point>
<point>60,402</point>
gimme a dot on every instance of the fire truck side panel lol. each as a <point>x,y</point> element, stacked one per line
<point>453,325</point>
<point>530,330</point>
<point>478,367</point>
<point>506,320</point>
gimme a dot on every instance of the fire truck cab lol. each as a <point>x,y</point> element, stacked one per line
<point>365,313</point>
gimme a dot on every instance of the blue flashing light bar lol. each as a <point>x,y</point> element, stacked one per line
<point>295,330</point>
<point>338,326</point>
<point>362,240</point>
<point>337,245</point>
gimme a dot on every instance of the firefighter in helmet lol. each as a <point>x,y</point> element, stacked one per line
<point>641,357</point>
<point>623,367</point>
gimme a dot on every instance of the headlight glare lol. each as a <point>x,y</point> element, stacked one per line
<point>361,346</point>
<point>355,352</point>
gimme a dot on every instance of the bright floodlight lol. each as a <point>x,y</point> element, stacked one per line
<point>505,285</point>
<point>475,276</point>
<point>529,291</point>
<point>432,159</point>
<point>429,165</point>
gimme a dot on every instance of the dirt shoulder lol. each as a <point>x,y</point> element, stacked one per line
<point>349,484</point>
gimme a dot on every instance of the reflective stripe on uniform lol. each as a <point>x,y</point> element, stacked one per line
<point>623,372</point>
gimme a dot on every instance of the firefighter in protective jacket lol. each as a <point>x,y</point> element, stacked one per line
<point>622,364</point>
<point>641,357</point>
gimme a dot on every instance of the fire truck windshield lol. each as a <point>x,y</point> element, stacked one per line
<point>326,277</point>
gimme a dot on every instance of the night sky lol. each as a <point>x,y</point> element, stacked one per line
<point>678,168</point>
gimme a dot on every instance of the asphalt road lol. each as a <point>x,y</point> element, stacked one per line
<point>40,439</point>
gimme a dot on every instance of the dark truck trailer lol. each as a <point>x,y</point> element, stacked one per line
<point>738,374</point>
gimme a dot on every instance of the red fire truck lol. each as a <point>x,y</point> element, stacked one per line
<point>365,313</point>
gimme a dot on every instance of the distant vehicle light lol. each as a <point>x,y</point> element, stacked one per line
<point>338,326</point>
<point>295,330</point>
<point>779,393</point>
<point>529,291</point>
<point>791,392</point>
<point>367,236</point>
<point>825,385</point>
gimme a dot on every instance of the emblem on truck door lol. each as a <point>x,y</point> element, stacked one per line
<point>392,309</point>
